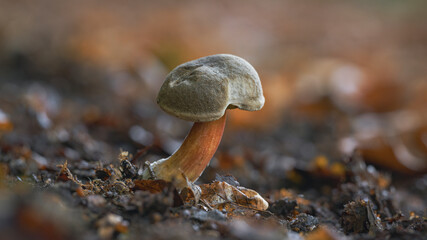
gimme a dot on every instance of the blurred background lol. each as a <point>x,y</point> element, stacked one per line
<point>342,79</point>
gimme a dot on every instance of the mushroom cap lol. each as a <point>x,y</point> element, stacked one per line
<point>201,90</point>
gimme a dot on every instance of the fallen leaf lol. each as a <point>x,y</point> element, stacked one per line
<point>218,193</point>
<point>152,186</point>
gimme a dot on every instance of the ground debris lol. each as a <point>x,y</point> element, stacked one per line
<point>303,223</point>
<point>222,195</point>
<point>283,207</point>
<point>212,215</point>
<point>359,217</point>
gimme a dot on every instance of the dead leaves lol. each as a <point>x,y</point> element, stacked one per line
<point>65,173</point>
<point>217,195</point>
<point>221,195</point>
<point>152,186</point>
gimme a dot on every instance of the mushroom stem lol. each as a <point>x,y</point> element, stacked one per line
<point>195,153</point>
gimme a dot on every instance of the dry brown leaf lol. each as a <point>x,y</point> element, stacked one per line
<point>153,186</point>
<point>65,173</point>
<point>218,193</point>
<point>397,157</point>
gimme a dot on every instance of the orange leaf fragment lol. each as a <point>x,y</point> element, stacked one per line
<point>152,186</point>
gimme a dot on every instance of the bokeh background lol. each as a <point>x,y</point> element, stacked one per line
<point>341,79</point>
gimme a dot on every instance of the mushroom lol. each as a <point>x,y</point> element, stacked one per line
<point>201,91</point>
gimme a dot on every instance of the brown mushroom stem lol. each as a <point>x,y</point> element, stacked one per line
<point>195,153</point>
